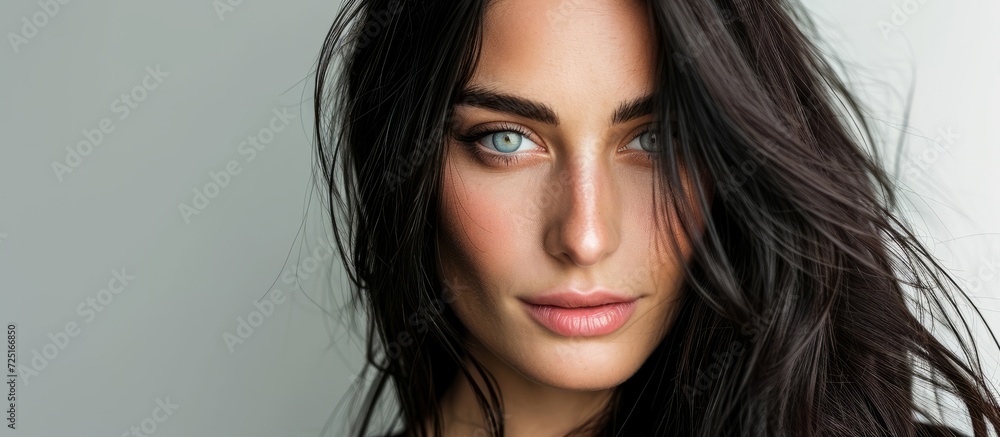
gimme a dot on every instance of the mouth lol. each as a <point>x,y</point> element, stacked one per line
<point>573,314</point>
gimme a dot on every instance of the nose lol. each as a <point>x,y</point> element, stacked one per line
<point>583,221</point>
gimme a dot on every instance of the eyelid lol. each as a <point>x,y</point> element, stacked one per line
<point>471,140</point>
<point>641,131</point>
<point>638,133</point>
<point>476,133</point>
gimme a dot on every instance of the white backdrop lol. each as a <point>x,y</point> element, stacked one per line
<point>131,270</point>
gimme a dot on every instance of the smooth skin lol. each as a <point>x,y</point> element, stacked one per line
<point>575,210</point>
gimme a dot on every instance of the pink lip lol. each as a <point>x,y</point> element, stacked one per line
<point>574,314</point>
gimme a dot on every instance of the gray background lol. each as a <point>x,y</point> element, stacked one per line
<point>63,237</point>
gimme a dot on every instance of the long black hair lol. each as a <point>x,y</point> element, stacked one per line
<point>807,300</point>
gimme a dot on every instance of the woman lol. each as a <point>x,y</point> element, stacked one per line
<point>535,260</point>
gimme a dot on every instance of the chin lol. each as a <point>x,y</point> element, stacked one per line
<point>590,364</point>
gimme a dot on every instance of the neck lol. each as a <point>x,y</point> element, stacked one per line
<point>529,408</point>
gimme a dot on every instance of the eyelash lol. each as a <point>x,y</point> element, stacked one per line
<point>471,139</point>
<point>650,156</point>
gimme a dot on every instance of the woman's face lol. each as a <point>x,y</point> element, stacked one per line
<point>557,203</point>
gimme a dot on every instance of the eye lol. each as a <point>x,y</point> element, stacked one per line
<point>497,144</point>
<point>645,141</point>
<point>507,141</point>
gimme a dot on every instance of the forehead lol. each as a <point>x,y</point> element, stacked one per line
<point>560,49</point>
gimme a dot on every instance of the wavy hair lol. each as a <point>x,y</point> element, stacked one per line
<point>807,301</point>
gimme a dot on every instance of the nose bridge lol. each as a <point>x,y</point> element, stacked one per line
<point>585,227</point>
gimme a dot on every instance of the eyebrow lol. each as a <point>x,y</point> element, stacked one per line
<point>520,106</point>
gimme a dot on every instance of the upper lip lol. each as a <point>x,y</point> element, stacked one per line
<point>576,299</point>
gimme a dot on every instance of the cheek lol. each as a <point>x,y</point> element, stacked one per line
<point>482,251</point>
<point>474,226</point>
<point>648,260</point>
<point>647,229</point>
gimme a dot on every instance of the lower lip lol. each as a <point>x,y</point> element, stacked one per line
<point>583,321</point>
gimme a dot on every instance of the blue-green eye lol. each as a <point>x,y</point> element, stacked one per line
<point>506,141</point>
<point>501,144</point>
<point>646,141</point>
